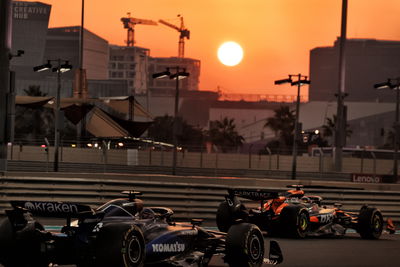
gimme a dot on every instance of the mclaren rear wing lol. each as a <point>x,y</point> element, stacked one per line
<point>253,194</point>
<point>54,209</point>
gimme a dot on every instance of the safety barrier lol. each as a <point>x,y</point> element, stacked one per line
<point>189,197</point>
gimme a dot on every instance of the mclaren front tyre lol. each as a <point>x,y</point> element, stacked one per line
<point>370,223</point>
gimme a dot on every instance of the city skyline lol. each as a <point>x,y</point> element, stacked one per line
<point>276,35</point>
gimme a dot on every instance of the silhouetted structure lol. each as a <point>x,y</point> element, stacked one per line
<point>366,61</point>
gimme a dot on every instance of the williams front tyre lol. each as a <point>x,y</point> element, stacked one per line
<point>120,246</point>
<point>244,246</point>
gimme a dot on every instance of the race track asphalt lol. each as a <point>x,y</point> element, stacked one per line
<point>348,251</point>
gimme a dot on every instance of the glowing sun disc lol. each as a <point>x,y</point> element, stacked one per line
<point>230,53</point>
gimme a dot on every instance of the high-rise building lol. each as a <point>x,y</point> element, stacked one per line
<point>29,30</point>
<point>129,64</point>
<point>63,42</point>
<point>367,61</point>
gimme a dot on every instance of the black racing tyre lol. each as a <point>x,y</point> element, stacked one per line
<point>21,248</point>
<point>224,217</point>
<point>120,245</point>
<point>370,223</point>
<point>244,246</point>
<point>294,221</point>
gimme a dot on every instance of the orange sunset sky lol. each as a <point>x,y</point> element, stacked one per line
<point>276,35</point>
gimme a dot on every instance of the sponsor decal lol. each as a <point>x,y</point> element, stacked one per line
<point>171,247</point>
<point>97,227</point>
<point>253,194</point>
<point>325,218</point>
<point>366,178</point>
<point>51,207</point>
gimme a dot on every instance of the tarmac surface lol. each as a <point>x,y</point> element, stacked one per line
<point>349,251</point>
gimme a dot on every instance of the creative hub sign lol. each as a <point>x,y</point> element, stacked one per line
<point>30,10</point>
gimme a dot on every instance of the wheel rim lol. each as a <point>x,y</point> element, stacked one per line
<point>255,248</point>
<point>134,250</point>
<point>376,223</point>
<point>303,222</point>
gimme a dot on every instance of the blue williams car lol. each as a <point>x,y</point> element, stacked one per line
<point>123,233</point>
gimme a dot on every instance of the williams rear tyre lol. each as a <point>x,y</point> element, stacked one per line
<point>370,223</point>
<point>21,248</point>
<point>244,246</point>
<point>224,217</point>
<point>294,221</point>
<point>120,246</point>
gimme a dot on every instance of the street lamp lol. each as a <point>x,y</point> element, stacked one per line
<point>301,80</point>
<point>59,68</point>
<point>179,74</point>
<point>393,84</point>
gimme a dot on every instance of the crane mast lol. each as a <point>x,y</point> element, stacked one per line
<point>183,33</point>
<point>129,24</point>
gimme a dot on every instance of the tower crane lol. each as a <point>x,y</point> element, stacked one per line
<point>184,33</point>
<point>129,23</point>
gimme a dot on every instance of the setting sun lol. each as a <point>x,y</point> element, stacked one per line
<point>230,53</point>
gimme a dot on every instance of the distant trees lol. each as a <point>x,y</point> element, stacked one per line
<point>282,123</point>
<point>224,135</point>
<point>328,129</point>
<point>162,130</point>
<point>33,123</point>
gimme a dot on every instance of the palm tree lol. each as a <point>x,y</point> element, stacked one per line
<point>34,123</point>
<point>223,134</point>
<point>187,135</point>
<point>328,129</point>
<point>282,123</point>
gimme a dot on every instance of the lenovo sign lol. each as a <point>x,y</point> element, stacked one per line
<point>371,178</point>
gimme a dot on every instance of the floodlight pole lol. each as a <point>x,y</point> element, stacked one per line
<point>175,125</point>
<point>396,133</point>
<point>296,130</point>
<point>394,86</point>
<point>58,69</point>
<point>180,72</point>
<point>299,82</point>
<point>57,118</point>
<point>5,46</point>
<point>340,134</point>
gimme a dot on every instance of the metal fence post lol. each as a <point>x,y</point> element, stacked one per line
<point>270,157</point>
<point>251,146</point>
<point>277,158</point>
<point>321,160</point>
<point>201,157</point>
<point>362,161</point>
<point>374,164</point>
<point>105,156</point>
<point>151,148</point>
<point>216,163</point>
<point>162,156</point>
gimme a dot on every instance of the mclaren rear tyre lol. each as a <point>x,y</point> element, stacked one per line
<point>120,246</point>
<point>244,246</point>
<point>294,221</point>
<point>370,223</point>
<point>224,217</point>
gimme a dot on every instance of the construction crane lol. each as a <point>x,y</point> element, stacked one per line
<point>184,33</point>
<point>129,23</point>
